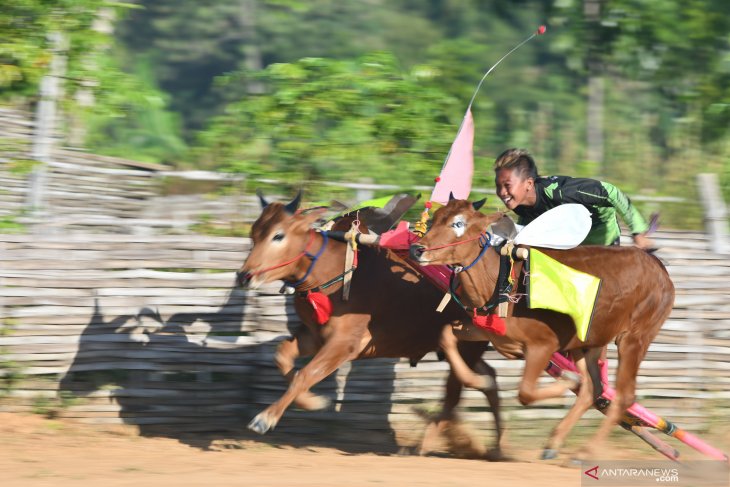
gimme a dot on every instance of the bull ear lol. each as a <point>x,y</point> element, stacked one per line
<point>262,200</point>
<point>451,196</point>
<point>293,205</point>
<point>479,204</point>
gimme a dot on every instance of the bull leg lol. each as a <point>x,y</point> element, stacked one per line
<point>333,354</point>
<point>302,344</point>
<point>536,359</point>
<point>492,396</point>
<point>438,425</point>
<point>447,425</point>
<point>444,423</point>
<point>631,351</point>
<point>485,379</point>
<point>584,401</point>
<point>467,376</point>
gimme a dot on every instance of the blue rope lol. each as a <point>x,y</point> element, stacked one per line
<point>314,258</point>
<point>486,242</point>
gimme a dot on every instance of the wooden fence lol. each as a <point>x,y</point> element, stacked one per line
<point>150,331</point>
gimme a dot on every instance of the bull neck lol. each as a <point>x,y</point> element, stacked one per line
<point>478,283</point>
<point>327,267</point>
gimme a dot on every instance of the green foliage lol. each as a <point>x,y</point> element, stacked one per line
<point>326,119</point>
<point>301,97</point>
<point>25,48</point>
<point>23,53</point>
<point>108,109</point>
<point>129,116</point>
<point>208,226</point>
<point>679,50</point>
<point>9,224</point>
<point>21,167</point>
<point>11,372</point>
<point>53,407</point>
<point>191,42</point>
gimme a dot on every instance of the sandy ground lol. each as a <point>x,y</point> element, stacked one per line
<point>39,452</point>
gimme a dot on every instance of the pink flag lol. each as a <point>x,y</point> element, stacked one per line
<point>459,166</point>
<point>398,238</point>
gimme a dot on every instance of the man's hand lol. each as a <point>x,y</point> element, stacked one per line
<point>643,242</point>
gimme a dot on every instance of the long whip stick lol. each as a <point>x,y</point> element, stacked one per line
<point>420,226</point>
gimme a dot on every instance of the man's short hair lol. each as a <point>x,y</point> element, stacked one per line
<point>518,160</point>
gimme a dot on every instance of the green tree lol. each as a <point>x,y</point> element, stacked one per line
<point>129,115</point>
<point>104,107</point>
<point>337,120</point>
<point>25,48</point>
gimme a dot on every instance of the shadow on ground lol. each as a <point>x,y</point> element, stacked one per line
<point>203,390</point>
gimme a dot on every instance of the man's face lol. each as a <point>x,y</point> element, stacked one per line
<point>513,190</point>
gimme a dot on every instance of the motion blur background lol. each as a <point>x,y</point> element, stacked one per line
<point>133,135</point>
<point>636,92</point>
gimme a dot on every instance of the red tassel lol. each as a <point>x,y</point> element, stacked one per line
<point>492,323</point>
<point>322,307</point>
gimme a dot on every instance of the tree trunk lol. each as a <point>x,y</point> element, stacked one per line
<point>252,53</point>
<point>594,117</point>
<point>45,123</point>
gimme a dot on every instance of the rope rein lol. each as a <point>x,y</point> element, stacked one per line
<point>329,283</point>
<point>503,285</point>
<point>302,254</point>
<point>313,258</point>
<point>452,244</point>
<point>485,241</point>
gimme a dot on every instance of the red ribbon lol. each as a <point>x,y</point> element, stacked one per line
<point>321,306</point>
<point>492,323</point>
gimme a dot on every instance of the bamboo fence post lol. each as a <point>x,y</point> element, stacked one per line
<point>715,211</point>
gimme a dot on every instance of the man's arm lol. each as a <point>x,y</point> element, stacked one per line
<point>591,192</point>
<point>623,205</point>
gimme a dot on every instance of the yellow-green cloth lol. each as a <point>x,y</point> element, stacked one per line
<point>561,288</point>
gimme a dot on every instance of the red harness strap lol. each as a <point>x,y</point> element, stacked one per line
<point>302,254</point>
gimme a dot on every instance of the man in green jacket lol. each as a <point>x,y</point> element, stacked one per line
<point>523,191</point>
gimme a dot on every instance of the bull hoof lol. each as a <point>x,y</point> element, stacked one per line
<point>260,425</point>
<point>496,455</point>
<point>549,454</point>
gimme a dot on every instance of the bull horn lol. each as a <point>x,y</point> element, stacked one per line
<point>451,196</point>
<point>479,204</point>
<point>293,205</point>
<point>262,200</point>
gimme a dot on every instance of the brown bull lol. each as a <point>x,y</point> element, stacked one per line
<point>390,313</point>
<point>635,299</point>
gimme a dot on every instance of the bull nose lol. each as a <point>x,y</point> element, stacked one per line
<point>416,251</point>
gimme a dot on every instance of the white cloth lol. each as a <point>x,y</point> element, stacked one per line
<point>563,227</point>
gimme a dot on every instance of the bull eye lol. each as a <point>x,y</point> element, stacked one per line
<point>459,225</point>
<point>278,237</point>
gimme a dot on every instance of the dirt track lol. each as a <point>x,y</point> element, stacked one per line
<point>40,452</point>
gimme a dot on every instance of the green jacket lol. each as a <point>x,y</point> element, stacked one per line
<point>603,200</point>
